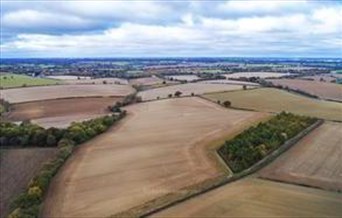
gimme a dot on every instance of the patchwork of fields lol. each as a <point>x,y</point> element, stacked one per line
<point>186,89</point>
<point>158,149</point>
<point>275,100</point>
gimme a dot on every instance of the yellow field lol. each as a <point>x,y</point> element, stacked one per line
<point>275,100</point>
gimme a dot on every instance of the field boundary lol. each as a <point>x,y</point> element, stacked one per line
<point>172,199</point>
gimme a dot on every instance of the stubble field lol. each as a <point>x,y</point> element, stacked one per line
<point>64,91</point>
<point>313,161</point>
<point>253,197</point>
<point>158,149</point>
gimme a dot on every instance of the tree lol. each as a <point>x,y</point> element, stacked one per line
<point>178,93</point>
<point>227,103</point>
<point>192,94</point>
<point>104,81</point>
<point>244,87</point>
<point>51,140</point>
<point>170,95</point>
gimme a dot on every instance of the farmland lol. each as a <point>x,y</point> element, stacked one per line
<point>10,80</point>
<point>274,100</point>
<point>253,197</point>
<point>64,91</point>
<point>186,89</point>
<point>17,168</point>
<point>323,90</point>
<point>89,80</point>
<point>227,81</point>
<point>50,112</point>
<point>159,148</point>
<point>149,81</point>
<point>254,74</point>
<point>188,78</point>
<point>314,161</point>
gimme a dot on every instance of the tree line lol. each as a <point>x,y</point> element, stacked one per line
<point>255,143</point>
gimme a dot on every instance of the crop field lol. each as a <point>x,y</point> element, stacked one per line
<point>10,80</point>
<point>64,91</point>
<point>322,90</point>
<point>158,149</point>
<point>253,197</point>
<point>186,89</point>
<point>324,78</point>
<point>188,78</point>
<point>227,81</point>
<point>89,80</point>
<point>17,168</point>
<point>61,112</point>
<point>275,100</point>
<point>254,74</point>
<point>153,80</point>
<point>313,161</point>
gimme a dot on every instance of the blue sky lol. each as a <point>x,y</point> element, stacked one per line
<point>171,28</point>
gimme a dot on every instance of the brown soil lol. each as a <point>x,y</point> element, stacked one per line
<point>253,197</point>
<point>313,161</point>
<point>158,149</point>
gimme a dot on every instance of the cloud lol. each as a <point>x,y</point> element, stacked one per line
<point>146,28</point>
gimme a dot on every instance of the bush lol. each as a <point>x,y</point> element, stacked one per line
<point>227,103</point>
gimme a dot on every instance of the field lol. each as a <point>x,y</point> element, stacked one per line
<point>186,89</point>
<point>324,77</point>
<point>253,197</point>
<point>61,112</point>
<point>146,81</point>
<point>227,81</point>
<point>322,90</point>
<point>88,80</point>
<point>10,80</point>
<point>159,148</point>
<point>314,161</point>
<point>275,100</point>
<point>188,78</point>
<point>17,168</point>
<point>64,91</point>
<point>255,74</point>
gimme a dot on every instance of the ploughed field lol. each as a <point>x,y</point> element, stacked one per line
<point>89,80</point>
<point>188,78</point>
<point>275,100</point>
<point>61,112</point>
<point>186,89</point>
<point>17,168</point>
<point>159,148</point>
<point>313,161</point>
<point>64,91</point>
<point>252,197</point>
<point>227,81</point>
<point>330,91</point>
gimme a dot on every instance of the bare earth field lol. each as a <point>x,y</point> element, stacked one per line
<point>255,74</point>
<point>325,77</point>
<point>186,89</point>
<point>227,81</point>
<point>147,81</point>
<point>253,197</point>
<point>313,161</point>
<point>17,167</point>
<point>188,78</point>
<point>275,100</point>
<point>61,112</point>
<point>322,90</point>
<point>88,80</point>
<point>159,148</point>
<point>64,91</point>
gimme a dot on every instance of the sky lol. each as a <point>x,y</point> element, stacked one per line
<point>171,28</point>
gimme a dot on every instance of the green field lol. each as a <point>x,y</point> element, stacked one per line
<point>10,80</point>
<point>275,100</point>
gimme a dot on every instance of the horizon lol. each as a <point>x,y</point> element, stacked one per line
<point>159,29</point>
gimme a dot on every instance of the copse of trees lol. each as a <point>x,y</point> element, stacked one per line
<point>28,203</point>
<point>255,143</point>
<point>129,99</point>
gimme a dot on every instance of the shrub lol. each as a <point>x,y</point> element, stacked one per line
<point>227,103</point>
